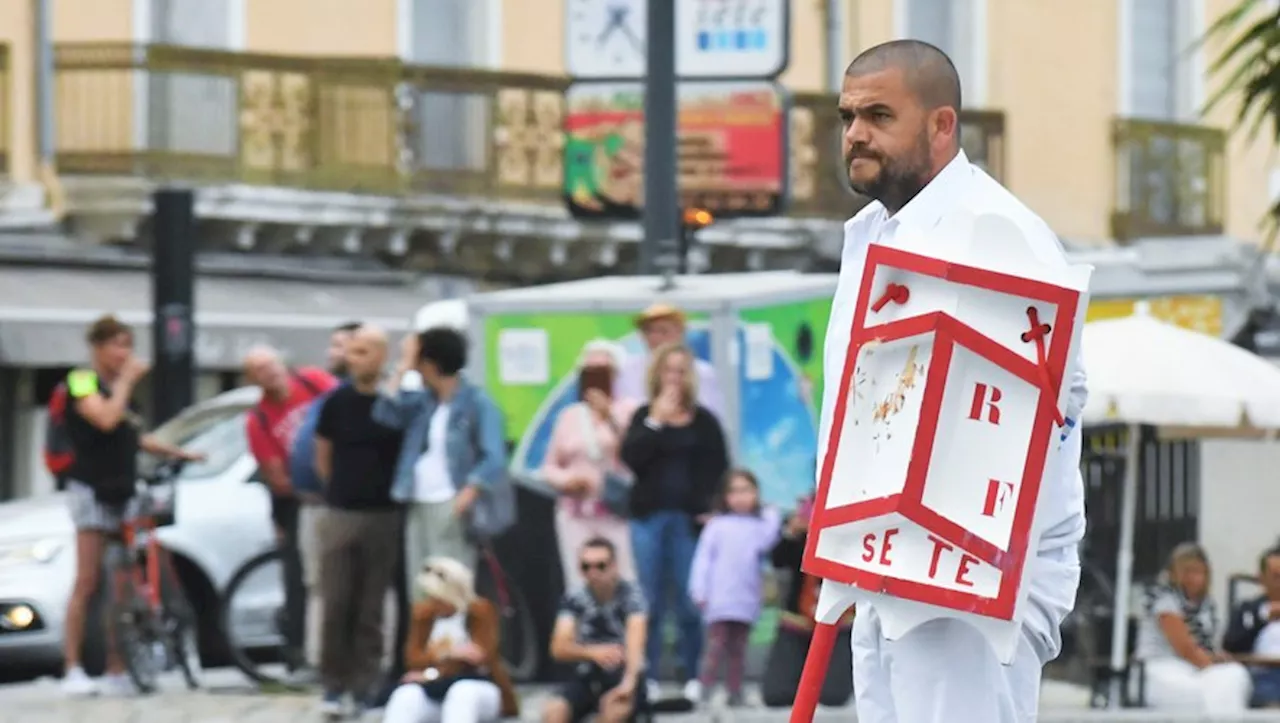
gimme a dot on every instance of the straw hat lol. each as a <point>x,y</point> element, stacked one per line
<point>660,310</point>
<point>448,581</point>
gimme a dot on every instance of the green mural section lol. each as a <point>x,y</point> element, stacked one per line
<point>788,323</point>
<point>566,334</point>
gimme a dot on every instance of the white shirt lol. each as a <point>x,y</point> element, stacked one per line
<point>431,482</point>
<point>959,184</point>
<point>1268,642</point>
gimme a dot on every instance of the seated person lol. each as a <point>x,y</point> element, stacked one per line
<point>456,673</point>
<point>1255,630</point>
<point>601,627</point>
<point>795,625</point>
<point>1175,642</point>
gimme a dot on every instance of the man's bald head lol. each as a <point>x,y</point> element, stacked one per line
<point>366,354</point>
<point>264,367</point>
<point>927,71</point>
<point>370,334</point>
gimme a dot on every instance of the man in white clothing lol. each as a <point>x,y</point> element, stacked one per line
<point>899,106</point>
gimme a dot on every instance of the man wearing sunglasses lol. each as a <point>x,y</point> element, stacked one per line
<point>601,628</point>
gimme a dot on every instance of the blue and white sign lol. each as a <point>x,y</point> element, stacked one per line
<point>722,39</point>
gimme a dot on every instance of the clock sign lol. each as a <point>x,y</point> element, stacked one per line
<point>720,39</point>
<point>606,38</point>
<point>949,413</point>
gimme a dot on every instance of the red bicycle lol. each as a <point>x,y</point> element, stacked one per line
<point>153,623</point>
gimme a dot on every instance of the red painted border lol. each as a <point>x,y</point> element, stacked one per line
<point>948,332</point>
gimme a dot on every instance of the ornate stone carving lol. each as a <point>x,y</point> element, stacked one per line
<point>275,121</point>
<point>528,138</point>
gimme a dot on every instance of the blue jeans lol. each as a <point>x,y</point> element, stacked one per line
<point>1266,686</point>
<point>663,545</point>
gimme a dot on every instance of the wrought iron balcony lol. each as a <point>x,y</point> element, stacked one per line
<point>371,126</point>
<point>1170,179</point>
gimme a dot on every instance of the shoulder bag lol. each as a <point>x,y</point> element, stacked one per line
<point>616,495</point>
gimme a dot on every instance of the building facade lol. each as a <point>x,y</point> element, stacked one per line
<point>341,150</point>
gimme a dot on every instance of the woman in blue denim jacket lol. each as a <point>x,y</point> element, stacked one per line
<point>453,446</point>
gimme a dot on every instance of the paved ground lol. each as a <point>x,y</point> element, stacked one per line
<point>230,700</point>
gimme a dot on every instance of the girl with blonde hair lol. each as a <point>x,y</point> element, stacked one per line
<point>1184,668</point>
<point>676,449</point>
<point>456,673</point>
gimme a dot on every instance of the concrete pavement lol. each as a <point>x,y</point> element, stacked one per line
<point>228,699</point>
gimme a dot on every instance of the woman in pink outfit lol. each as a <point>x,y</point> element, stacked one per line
<point>584,447</point>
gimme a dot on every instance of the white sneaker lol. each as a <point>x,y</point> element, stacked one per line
<point>75,682</point>
<point>653,690</point>
<point>116,685</point>
<point>693,691</point>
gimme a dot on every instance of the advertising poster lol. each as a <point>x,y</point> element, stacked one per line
<point>732,154</point>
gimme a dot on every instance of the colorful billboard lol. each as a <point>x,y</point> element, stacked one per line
<point>732,150</point>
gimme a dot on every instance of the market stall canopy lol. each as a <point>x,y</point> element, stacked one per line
<point>1144,371</point>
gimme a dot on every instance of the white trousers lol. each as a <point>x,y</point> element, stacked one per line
<point>944,671</point>
<point>1175,684</point>
<point>468,701</point>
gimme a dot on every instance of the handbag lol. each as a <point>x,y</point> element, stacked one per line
<point>616,495</point>
<point>439,687</point>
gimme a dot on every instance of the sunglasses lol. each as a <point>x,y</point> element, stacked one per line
<point>593,566</point>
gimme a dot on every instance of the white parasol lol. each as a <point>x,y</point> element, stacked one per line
<point>1143,371</point>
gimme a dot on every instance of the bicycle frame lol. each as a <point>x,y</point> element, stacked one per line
<point>499,576</point>
<point>144,578</point>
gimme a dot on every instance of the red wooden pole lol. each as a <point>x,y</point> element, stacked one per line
<point>815,673</point>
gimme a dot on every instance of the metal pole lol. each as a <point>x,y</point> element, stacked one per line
<point>661,197</point>
<point>1124,567</point>
<point>43,42</point>
<point>835,45</point>
<point>173,275</point>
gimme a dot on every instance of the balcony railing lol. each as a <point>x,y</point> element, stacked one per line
<point>1170,179</point>
<point>371,125</point>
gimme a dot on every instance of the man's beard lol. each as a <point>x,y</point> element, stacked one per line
<point>338,369</point>
<point>899,179</point>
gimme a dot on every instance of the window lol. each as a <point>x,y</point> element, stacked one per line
<point>1159,38</point>
<point>448,130</point>
<point>954,26</point>
<point>190,113</point>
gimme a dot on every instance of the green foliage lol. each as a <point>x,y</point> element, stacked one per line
<point>1249,68</point>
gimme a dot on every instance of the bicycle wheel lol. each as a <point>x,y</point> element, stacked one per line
<point>517,636</point>
<point>136,638</point>
<point>252,619</point>
<point>181,626</point>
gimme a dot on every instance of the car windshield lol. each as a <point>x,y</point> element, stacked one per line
<point>222,443</point>
<point>217,432</point>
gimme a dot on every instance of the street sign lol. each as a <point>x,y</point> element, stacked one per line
<point>732,151</point>
<point>722,39</point>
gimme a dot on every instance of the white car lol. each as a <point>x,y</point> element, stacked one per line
<point>221,520</point>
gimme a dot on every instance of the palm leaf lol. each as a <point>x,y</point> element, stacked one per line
<point>1248,68</point>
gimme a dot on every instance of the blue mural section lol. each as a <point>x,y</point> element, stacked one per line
<point>778,428</point>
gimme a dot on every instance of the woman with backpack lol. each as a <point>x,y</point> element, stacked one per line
<point>99,431</point>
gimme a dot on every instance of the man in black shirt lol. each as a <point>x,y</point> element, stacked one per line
<point>355,459</point>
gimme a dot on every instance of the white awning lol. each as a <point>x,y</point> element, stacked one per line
<point>44,312</point>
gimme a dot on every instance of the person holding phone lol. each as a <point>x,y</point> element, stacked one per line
<point>582,458</point>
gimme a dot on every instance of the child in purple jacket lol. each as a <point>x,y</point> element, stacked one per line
<point>726,580</point>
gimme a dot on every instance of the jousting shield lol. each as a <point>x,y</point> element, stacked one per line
<point>950,411</point>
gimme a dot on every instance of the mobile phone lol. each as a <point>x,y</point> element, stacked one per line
<point>596,378</point>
